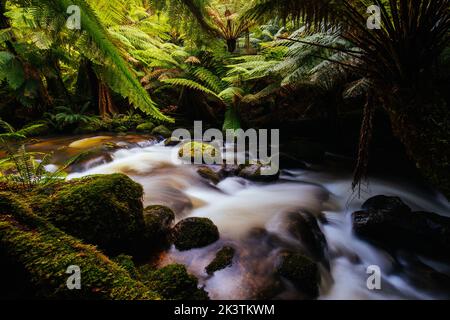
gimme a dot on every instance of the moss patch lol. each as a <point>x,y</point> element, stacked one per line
<point>223,259</point>
<point>105,210</point>
<point>173,282</point>
<point>45,252</point>
<point>194,233</point>
<point>301,271</point>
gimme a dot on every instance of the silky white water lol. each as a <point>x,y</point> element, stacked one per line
<point>250,217</point>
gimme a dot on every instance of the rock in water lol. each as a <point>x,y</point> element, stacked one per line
<point>209,174</point>
<point>194,233</point>
<point>223,259</point>
<point>162,131</point>
<point>89,142</point>
<point>158,221</point>
<point>389,222</point>
<point>305,228</point>
<point>302,272</point>
<point>253,172</point>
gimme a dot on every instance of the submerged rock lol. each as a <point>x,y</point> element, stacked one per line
<point>223,259</point>
<point>162,131</point>
<point>194,232</point>
<point>105,210</point>
<point>389,222</point>
<point>301,271</point>
<point>173,282</point>
<point>91,142</point>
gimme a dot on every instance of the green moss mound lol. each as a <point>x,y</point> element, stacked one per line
<point>223,259</point>
<point>194,233</point>
<point>173,282</point>
<point>162,131</point>
<point>44,253</point>
<point>158,221</point>
<point>145,127</point>
<point>193,150</point>
<point>105,210</point>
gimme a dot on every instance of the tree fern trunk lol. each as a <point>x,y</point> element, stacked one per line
<point>424,130</point>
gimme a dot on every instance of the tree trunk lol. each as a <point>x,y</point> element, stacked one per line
<point>424,129</point>
<point>105,103</point>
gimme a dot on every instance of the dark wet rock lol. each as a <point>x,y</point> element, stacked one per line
<point>253,172</point>
<point>389,222</point>
<point>173,282</point>
<point>145,127</point>
<point>231,170</point>
<point>302,272</point>
<point>304,227</point>
<point>158,221</point>
<point>172,141</point>
<point>303,150</point>
<point>223,259</point>
<point>194,232</point>
<point>209,174</point>
<point>162,131</point>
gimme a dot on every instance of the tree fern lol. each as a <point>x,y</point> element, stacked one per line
<point>191,85</point>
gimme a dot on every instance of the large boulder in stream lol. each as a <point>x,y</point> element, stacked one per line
<point>105,210</point>
<point>301,271</point>
<point>390,222</point>
<point>194,232</point>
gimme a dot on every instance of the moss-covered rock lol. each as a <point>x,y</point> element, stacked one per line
<point>209,174</point>
<point>121,129</point>
<point>194,233</point>
<point>162,131</point>
<point>193,150</point>
<point>126,262</point>
<point>145,127</point>
<point>173,282</point>
<point>43,253</point>
<point>172,141</point>
<point>223,259</point>
<point>301,271</point>
<point>105,210</point>
<point>158,221</point>
<point>253,172</point>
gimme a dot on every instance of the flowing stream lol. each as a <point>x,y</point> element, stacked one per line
<point>251,217</point>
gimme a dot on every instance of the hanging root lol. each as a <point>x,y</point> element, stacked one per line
<point>365,138</point>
